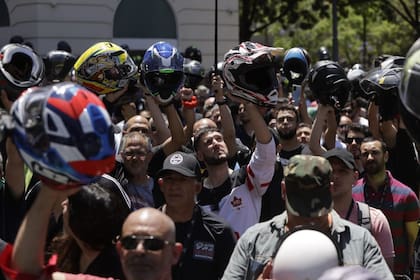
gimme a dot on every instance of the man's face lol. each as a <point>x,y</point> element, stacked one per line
<point>303,134</point>
<point>353,140</point>
<point>373,158</point>
<point>286,124</point>
<point>179,190</point>
<point>136,155</point>
<point>212,148</point>
<point>343,178</point>
<point>143,263</point>
<point>343,126</point>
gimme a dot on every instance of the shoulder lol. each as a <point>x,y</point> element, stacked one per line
<point>213,222</point>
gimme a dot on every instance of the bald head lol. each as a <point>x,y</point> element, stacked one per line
<point>137,123</point>
<point>203,123</point>
<point>149,221</point>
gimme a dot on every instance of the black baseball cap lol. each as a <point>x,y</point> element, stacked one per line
<point>342,154</point>
<point>185,164</point>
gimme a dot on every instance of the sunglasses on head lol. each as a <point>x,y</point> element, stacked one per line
<point>358,140</point>
<point>150,243</point>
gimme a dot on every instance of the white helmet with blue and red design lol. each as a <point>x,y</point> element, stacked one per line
<point>64,134</point>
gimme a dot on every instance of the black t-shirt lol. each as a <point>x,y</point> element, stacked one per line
<point>208,243</point>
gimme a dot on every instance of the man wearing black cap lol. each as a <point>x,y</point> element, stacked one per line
<point>208,242</point>
<point>344,177</point>
<point>306,187</point>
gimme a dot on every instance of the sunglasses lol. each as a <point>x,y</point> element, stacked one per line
<point>358,140</point>
<point>150,243</point>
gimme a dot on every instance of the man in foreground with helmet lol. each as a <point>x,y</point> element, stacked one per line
<point>306,188</point>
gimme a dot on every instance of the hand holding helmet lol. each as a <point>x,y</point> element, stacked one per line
<point>381,85</point>
<point>64,134</point>
<point>329,84</point>
<point>162,71</point>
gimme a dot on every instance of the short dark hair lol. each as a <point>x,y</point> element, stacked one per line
<point>201,132</point>
<point>288,107</point>
<point>384,147</point>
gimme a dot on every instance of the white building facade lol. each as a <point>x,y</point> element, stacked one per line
<point>137,23</point>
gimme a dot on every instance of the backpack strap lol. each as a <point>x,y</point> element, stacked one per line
<point>363,215</point>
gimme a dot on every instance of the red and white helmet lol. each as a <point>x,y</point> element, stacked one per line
<point>250,73</point>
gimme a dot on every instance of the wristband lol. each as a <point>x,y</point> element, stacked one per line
<point>190,104</point>
<point>223,102</point>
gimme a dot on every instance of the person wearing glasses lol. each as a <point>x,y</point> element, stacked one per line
<point>207,241</point>
<point>92,217</point>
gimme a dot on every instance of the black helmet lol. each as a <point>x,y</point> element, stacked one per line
<point>194,73</point>
<point>378,81</point>
<point>57,65</point>
<point>192,53</point>
<point>329,84</point>
<point>323,54</point>
<point>296,65</point>
<point>409,92</point>
<point>393,62</point>
<point>20,68</point>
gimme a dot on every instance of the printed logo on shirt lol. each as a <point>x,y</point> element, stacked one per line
<point>203,251</point>
<point>236,201</point>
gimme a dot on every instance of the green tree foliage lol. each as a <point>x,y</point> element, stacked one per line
<point>358,23</point>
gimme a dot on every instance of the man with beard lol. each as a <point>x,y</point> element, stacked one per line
<point>397,201</point>
<point>236,196</point>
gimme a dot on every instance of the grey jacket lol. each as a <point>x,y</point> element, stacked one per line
<point>261,241</point>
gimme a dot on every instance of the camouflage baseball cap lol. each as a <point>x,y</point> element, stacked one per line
<point>307,180</point>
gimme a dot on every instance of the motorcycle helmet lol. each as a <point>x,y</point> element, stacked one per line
<point>193,53</point>
<point>378,81</point>
<point>329,84</point>
<point>409,92</point>
<point>393,61</point>
<point>323,53</point>
<point>64,134</point>
<point>194,73</point>
<point>249,72</point>
<point>354,75</point>
<point>296,65</point>
<point>58,65</point>
<point>305,253</point>
<point>20,68</point>
<point>162,69</point>
<point>105,68</point>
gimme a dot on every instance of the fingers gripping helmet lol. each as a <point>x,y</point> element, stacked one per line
<point>162,68</point>
<point>250,74</point>
<point>64,134</point>
<point>329,84</point>
<point>104,68</point>
<point>296,65</point>
<point>20,68</point>
<point>194,73</point>
<point>409,92</point>
<point>305,253</point>
<point>58,65</point>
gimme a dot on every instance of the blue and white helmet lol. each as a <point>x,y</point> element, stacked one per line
<point>162,69</point>
<point>64,134</point>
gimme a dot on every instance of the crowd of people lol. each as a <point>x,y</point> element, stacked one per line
<point>256,169</point>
